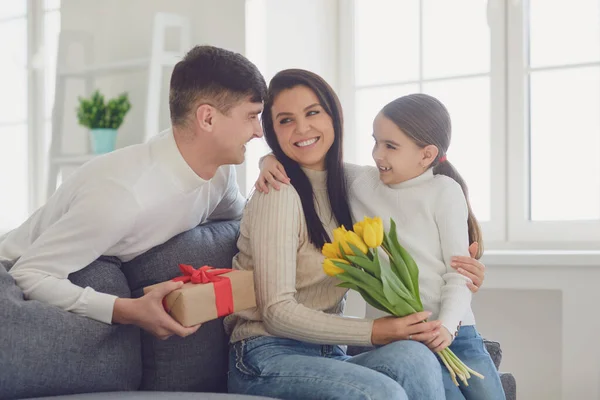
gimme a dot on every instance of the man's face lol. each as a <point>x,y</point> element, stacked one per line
<point>236,128</point>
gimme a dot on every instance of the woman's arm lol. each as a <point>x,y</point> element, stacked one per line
<point>275,227</point>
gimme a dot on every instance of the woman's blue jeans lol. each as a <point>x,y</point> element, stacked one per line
<point>289,369</point>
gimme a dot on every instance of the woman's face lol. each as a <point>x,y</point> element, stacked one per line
<point>304,130</point>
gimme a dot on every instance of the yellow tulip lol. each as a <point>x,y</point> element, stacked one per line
<point>338,235</point>
<point>378,226</point>
<point>339,238</point>
<point>369,236</point>
<point>331,250</point>
<point>330,268</point>
<point>359,227</point>
<point>356,240</point>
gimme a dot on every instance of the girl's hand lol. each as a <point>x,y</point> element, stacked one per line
<point>271,171</point>
<point>440,342</point>
<point>391,329</point>
<point>470,267</point>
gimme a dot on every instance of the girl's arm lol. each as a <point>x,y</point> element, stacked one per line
<point>451,215</point>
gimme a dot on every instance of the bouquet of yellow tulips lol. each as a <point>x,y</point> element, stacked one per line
<point>353,257</point>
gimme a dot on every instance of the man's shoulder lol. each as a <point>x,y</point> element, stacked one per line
<point>126,165</point>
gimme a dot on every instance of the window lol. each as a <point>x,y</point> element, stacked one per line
<point>523,96</point>
<point>554,129</point>
<point>26,61</point>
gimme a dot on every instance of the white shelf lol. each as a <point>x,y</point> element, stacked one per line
<point>106,68</point>
<point>86,70</point>
<point>167,60</point>
<point>74,159</point>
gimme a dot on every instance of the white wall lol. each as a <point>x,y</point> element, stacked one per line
<point>284,34</point>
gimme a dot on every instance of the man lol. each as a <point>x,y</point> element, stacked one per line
<point>126,202</point>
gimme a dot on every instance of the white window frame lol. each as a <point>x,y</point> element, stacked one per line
<point>568,234</point>
<point>509,226</point>
<point>35,118</point>
<point>495,229</point>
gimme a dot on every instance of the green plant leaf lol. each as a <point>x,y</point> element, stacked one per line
<point>391,282</point>
<point>95,113</point>
<point>365,263</point>
<point>370,300</point>
<point>413,271</point>
<point>363,280</point>
<point>396,259</point>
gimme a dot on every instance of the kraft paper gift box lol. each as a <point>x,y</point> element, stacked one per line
<point>208,293</point>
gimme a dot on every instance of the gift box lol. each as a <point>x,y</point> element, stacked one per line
<point>208,293</point>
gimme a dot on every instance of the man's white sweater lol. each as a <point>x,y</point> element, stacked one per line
<point>431,213</point>
<point>120,204</point>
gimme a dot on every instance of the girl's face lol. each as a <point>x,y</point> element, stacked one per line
<point>396,155</point>
<point>304,130</point>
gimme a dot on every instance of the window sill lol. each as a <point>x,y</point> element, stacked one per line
<point>542,258</point>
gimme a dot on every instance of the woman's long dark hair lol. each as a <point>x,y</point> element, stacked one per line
<point>334,163</point>
<point>426,121</point>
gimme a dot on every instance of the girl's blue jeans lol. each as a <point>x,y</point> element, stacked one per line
<point>469,347</point>
<point>289,369</point>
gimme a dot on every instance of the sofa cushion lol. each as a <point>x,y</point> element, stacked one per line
<point>47,351</point>
<point>155,396</point>
<point>198,362</point>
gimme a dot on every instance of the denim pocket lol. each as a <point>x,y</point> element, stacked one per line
<point>239,348</point>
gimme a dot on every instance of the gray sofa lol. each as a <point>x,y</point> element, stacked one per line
<point>47,352</point>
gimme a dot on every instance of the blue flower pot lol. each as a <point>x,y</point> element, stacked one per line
<point>103,140</point>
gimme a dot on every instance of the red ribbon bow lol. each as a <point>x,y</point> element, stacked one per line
<point>221,285</point>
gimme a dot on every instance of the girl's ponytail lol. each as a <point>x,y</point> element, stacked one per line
<point>444,167</point>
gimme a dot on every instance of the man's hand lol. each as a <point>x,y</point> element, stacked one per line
<point>271,171</point>
<point>440,342</point>
<point>470,267</point>
<point>148,313</point>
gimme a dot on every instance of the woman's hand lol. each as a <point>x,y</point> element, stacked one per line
<point>271,171</point>
<point>440,342</point>
<point>390,329</point>
<point>470,267</point>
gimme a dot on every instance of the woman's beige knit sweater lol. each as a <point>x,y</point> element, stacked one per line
<point>295,299</point>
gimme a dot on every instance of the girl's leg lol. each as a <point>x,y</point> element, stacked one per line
<point>288,369</point>
<point>452,391</point>
<point>469,347</point>
<point>409,363</point>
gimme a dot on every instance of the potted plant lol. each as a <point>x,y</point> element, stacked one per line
<point>103,119</point>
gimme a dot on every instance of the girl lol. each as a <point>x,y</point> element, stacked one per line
<point>415,184</point>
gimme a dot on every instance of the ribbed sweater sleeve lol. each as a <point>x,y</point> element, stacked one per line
<point>276,228</point>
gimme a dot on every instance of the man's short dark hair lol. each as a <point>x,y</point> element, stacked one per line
<point>213,76</point>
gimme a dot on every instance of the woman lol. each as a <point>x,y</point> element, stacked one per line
<point>290,345</point>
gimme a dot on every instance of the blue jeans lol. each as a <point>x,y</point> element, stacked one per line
<point>469,347</point>
<point>289,369</point>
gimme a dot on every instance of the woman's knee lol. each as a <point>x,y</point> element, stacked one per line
<point>418,357</point>
<point>383,388</point>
